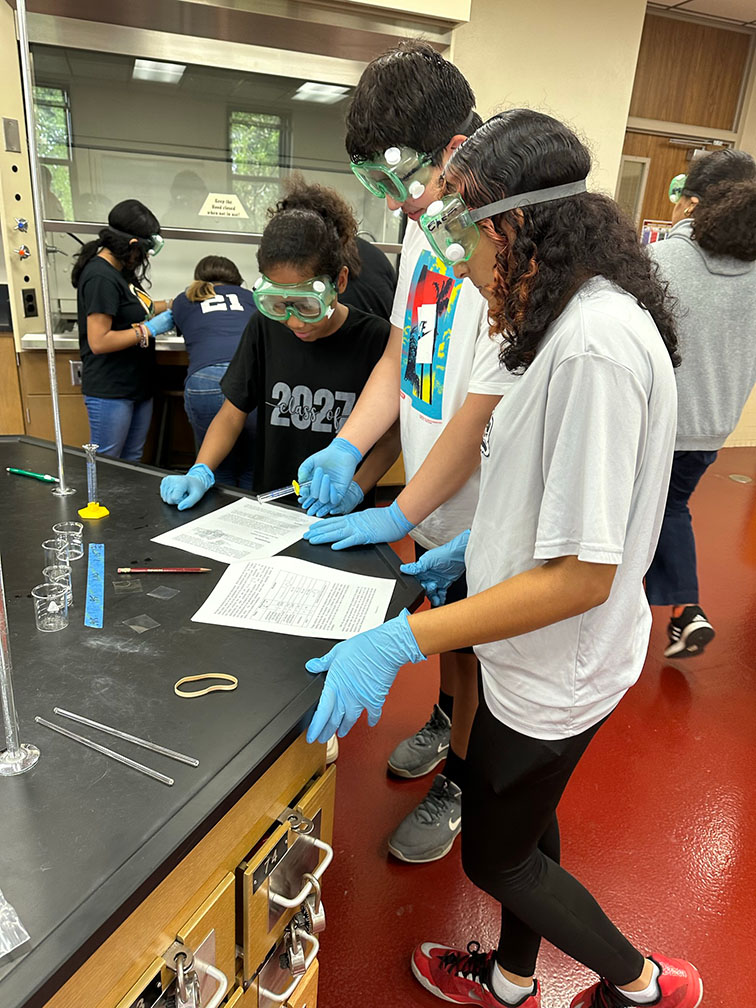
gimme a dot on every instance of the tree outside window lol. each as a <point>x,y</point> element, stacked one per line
<point>257,145</point>
<point>52,113</point>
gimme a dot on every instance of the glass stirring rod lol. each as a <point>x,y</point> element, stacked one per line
<point>291,488</point>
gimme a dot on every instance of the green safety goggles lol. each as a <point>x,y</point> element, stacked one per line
<point>451,226</point>
<point>676,187</point>
<point>310,301</point>
<point>401,173</point>
<point>157,244</point>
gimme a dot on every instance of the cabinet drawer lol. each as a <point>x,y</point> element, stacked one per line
<point>74,422</point>
<point>216,915</point>
<point>35,377</point>
<point>305,995</point>
<point>280,862</point>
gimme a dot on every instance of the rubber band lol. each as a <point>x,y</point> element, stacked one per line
<point>231,680</point>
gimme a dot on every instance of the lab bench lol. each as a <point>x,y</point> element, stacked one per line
<point>109,869</point>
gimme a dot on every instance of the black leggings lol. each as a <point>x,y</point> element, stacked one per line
<point>510,849</point>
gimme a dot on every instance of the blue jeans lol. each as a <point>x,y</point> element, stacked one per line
<point>202,400</point>
<point>672,577</point>
<point>119,426</point>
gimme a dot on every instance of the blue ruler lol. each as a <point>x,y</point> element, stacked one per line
<point>95,586</point>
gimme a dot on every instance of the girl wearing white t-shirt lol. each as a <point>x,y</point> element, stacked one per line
<point>575,464</point>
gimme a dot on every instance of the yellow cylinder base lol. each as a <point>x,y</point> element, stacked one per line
<point>93,510</point>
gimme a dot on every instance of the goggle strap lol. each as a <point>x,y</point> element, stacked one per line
<point>528,199</point>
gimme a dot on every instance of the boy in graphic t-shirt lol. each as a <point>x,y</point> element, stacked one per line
<point>440,374</point>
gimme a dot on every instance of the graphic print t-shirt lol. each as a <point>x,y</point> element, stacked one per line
<point>304,391</point>
<point>446,352</point>
<point>123,374</point>
<point>212,328</point>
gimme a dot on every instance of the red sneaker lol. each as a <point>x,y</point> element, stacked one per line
<point>679,983</point>
<point>462,977</point>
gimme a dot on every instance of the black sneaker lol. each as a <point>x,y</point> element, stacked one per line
<point>428,832</point>
<point>688,633</point>
<point>424,750</point>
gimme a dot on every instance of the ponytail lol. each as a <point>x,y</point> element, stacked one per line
<point>311,228</point>
<point>724,222</point>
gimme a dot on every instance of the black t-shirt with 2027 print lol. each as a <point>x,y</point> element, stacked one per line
<point>304,392</point>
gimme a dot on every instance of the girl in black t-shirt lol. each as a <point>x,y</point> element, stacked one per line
<point>304,357</point>
<point>117,328</point>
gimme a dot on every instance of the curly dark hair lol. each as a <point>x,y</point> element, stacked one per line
<point>311,228</point>
<point>724,222</point>
<point>128,220</point>
<point>547,251</point>
<point>409,96</point>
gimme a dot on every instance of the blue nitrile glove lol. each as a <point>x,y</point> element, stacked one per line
<point>330,471</point>
<point>186,491</point>
<point>437,569</point>
<point>351,499</point>
<point>376,525</point>
<point>360,673</point>
<point>160,323</point>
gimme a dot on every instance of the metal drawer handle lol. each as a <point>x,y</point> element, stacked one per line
<point>220,978</point>
<point>282,998</point>
<point>307,888</point>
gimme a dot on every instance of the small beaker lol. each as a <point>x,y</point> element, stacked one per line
<point>50,607</point>
<point>60,574</point>
<point>56,551</point>
<point>71,531</point>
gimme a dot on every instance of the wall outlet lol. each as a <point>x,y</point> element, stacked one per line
<point>75,366</point>
<point>29,296</point>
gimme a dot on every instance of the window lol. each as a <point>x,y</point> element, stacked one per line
<point>258,144</point>
<point>53,125</point>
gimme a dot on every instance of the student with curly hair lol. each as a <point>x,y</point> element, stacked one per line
<point>303,358</point>
<point>574,467</point>
<point>709,263</point>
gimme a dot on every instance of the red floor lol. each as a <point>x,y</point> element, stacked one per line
<point>659,820</point>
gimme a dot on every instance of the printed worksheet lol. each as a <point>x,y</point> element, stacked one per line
<point>239,531</point>
<point>286,595</point>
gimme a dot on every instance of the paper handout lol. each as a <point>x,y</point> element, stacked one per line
<point>291,596</point>
<point>239,531</point>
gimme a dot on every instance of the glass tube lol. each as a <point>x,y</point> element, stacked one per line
<point>91,449</point>
<point>290,488</point>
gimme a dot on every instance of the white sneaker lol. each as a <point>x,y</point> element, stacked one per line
<point>332,749</point>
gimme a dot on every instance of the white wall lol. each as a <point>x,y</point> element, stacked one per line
<point>573,61</point>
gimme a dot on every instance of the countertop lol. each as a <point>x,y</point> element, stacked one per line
<point>70,341</point>
<point>85,838</point>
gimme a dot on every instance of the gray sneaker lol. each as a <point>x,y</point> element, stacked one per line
<point>429,830</point>
<point>422,752</point>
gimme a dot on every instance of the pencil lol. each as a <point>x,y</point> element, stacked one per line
<point>162,570</point>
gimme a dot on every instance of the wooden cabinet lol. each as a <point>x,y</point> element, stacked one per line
<point>37,401</point>
<point>11,415</point>
<point>200,894</point>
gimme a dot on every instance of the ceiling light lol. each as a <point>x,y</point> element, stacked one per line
<point>152,70</point>
<point>325,94</point>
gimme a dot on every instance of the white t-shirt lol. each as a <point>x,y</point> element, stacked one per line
<point>576,462</point>
<point>446,352</point>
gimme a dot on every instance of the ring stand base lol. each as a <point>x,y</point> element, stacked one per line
<point>60,492</point>
<point>18,762</point>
